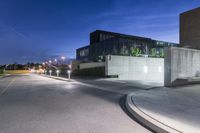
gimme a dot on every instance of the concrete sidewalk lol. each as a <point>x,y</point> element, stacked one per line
<point>110,84</point>
<point>167,109</point>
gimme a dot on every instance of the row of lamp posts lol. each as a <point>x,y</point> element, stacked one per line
<point>58,72</point>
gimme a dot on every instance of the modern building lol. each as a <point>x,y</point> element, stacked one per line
<point>104,43</point>
<point>190,29</point>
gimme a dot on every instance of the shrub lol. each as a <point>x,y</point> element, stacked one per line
<point>153,52</point>
<point>124,51</point>
<point>135,51</point>
<point>1,71</point>
<point>162,54</point>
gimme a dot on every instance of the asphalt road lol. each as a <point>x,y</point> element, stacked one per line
<point>36,104</point>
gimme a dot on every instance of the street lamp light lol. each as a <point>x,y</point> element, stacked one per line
<point>57,71</point>
<point>69,74</point>
<point>50,61</point>
<point>63,59</point>
<point>70,66</point>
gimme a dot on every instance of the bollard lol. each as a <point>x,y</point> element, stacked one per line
<point>69,74</point>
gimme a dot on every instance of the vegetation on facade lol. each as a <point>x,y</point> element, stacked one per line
<point>157,53</point>
<point>162,54</point>
<point>135,52</point>
<point>123,51</point>
<point>1,71</point>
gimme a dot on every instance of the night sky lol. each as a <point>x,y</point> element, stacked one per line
<point>35,30</point>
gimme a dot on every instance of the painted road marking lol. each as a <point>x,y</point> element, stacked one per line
<point>4,90</point>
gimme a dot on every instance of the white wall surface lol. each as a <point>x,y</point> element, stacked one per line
<point>135,68</point>
<point>181,63</point>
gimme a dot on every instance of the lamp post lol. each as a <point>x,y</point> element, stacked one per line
<point>69,74</point>
<point>63,59</point>
<point>50,71</point>
<point>57,71</point>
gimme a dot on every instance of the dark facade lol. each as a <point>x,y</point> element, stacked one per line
<point>108,43</point>
<point>190,29</point>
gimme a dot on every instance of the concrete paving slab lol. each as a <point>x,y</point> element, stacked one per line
<point>178,108</point>
<point>36,104</point>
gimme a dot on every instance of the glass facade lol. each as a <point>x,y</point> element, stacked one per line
<point>108,43</point>
<point>82,53</point>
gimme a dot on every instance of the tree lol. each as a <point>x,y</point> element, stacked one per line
<point>1,71</point>
<point>124,51</point>
<point>135,51</point>
<point>153,52</point>
<point>162,54</point>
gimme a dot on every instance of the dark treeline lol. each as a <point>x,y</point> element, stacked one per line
<point>16,66</point>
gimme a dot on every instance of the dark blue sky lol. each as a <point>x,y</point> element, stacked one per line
<point>33,30</point>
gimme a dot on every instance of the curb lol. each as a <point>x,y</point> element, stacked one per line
<point>7,75</point>
<point>147,120</point>
<point>58,78</point>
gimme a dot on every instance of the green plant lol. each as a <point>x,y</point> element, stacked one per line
<point>162,54</point>
<point>1,71</point>
<point>123,51</point>
<point>153,52</point>
<point>135,51</point>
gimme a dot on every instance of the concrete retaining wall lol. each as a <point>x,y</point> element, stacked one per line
<point>92,65</point>
<point>181,65</point>
<point>135,68</point>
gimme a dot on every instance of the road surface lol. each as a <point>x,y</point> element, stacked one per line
<point>36,104</point>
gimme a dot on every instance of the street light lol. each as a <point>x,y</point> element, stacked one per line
<point>70,66</point>
<point>57,71</point>
<point>63,59</point>
<point>50,71</point>
<point>50,61</point>
<point>69,74</point>
<point>55,60</point>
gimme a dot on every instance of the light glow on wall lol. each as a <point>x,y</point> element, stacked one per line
<point>159,69</point>
<point>145,69</point>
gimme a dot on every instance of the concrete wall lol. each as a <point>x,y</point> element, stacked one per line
<point>92,65</point>
<point>190,29</point>
<point>135,68</point>
<point>181,65</point>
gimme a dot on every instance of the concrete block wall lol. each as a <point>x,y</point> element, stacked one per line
<point>135,68</point>
<point>92,65</point>
<point>181,64</point>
